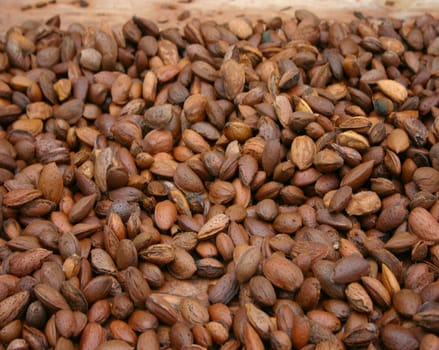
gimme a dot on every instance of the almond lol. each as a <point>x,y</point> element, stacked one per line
<point>395,90</point>
<point>423,224</point>
<point>187,180</point>
<point>233,76</point>
<point>165,214</point>
<point>51,183</point>
<point>12,307</point>
<point>303,150</point>
<point>283,273</point>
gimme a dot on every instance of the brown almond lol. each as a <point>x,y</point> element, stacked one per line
<point>165,214</point>
<point>357,176</point>
<point>427,179</point>
<point>233,76</point>
<point>287,222</point>
<point>161,308</point>
<point>309,293</point>
<point>24,263</point>
<point>137,286</point>
<point>262,291</point>
<point>115,345</point>
<point>248,167</point>
<point>12,307</point>
<point>215,225</point>
<point>406,302</point>
<point>340,199</point>
<point>142,321</point>
<point>17,198</point>
<point>259,320</point>
<point>350,269</point>
<point>423,224</point>
<point>70,111</point>
<point>98,288</point>
<point>238,131</point>
<point>158,116</point>
<point>247,264</point>
<point>391,217</point>
<point>50,297</point>
<point>183,266</point>
<point>51,183</point>
<point>122,331</point>
<point>187,180</point>
<point>283,273</point>
<point>82,208</point>
<point>224,290</point>
<point>376,290</point>
<point>353,140</point>
<point>159,253</point>
<point>65,323</point>
<point>396,337</point>
<point>284,111</point>
<point>221,192</point>
<point>193,311</point>
<point>398,141</point>
<point>102,262</point>
<point>31,126</point>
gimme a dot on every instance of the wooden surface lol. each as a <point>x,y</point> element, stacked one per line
<point>165,12</point>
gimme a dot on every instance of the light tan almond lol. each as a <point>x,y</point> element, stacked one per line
<point>303,150</point>
<point>363,203</point>
<point>395,90</point>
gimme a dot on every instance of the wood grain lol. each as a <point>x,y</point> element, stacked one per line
<point>165,12</point>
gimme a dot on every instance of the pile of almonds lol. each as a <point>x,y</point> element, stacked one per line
<point>246,185</point>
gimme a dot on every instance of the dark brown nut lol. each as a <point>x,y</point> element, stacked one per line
<point>395,337</point>
<point>356,177</point>
<point>70,111</point>
<point>340,199</point>
<point>391,217</point>
<point>362,334</point>
<point>350,269</point>
<point>427,316</point>
<point>323,270</point>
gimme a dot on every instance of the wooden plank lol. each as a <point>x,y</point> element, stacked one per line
<point>166,11</point>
